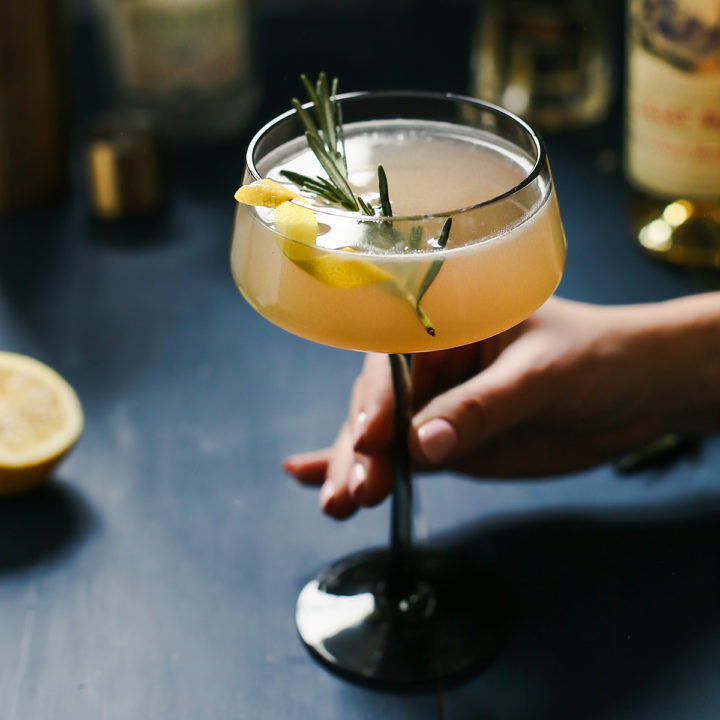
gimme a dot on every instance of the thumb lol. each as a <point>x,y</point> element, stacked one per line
<point>459,421</point>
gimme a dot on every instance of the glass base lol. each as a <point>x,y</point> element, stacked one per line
<point>451,624</point>
<point>683,232</point>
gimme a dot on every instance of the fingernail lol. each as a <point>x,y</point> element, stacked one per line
<point>288,466</point>
<point>437,439</point>
<point>359,427</point>
<point>358,475</point>
<point>327,492</point>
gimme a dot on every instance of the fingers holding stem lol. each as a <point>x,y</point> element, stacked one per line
<point>347,480</point>
<point>356,471</point>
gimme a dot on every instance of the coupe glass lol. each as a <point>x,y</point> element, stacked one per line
<point>402,614</point>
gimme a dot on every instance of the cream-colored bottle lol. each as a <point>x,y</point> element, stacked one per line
<point>672,149</point>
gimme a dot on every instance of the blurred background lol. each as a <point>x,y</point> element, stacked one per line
<point>119,101</point>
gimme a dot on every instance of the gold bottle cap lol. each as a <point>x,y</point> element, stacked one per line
<point>124,165</point>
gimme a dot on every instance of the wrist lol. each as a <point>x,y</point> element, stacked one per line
<point>683,337</point>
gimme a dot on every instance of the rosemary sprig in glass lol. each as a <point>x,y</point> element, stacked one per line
<point>326,139</point>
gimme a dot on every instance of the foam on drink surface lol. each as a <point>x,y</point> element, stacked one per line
<point>445,171</point>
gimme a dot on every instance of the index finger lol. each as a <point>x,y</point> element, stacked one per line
<point>372,406</point>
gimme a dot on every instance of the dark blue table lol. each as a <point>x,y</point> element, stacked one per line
<point>155,576</point>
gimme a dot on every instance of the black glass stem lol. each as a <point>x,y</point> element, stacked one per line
<point>402,616</point>
<point>401,579</point>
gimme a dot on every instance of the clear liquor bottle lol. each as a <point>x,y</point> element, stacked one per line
<point>549,61</point>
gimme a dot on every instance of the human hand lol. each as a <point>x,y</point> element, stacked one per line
<point>572,386</point>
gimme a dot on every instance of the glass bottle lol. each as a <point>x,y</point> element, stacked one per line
<point>187,62</point>
<point>672,149</point>
<point>34,106</point>
<point>549,61</point>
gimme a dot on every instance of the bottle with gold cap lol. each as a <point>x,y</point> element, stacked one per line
<point>672,140</point>
<point>187,62</point>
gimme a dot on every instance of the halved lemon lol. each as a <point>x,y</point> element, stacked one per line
<point>41,419</point>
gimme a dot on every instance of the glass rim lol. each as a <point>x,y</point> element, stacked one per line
<point>539,164</point>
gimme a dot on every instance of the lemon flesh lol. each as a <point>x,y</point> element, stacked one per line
<point>41,419</point>
<point>299,227</point>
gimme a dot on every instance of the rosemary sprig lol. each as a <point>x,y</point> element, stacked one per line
<point>325,137</point>
<point>324,105</point>
<point>385,206</point>
<point>416,236</point>
<point>434,269</point>
<point>318,185</point>
<point>414,241</point>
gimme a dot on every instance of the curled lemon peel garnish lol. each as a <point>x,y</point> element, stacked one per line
<point>293,221</point>
<point>296,222</point>
<point>265,192</point>
<point>299,228</point>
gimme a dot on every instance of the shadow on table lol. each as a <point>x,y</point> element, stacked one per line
<point>42,524</point>
<point>605,607</point>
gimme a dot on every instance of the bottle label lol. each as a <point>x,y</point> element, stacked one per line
<point>673,124</point>
<point>169,47</point>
